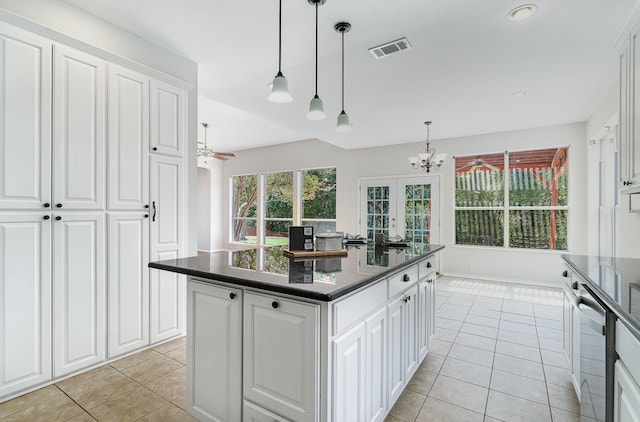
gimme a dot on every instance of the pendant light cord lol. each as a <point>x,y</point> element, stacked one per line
<point>343,71</point>
<point>280,39</point>
<point>316,48</point>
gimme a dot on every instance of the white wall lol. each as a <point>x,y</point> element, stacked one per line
<point>542,267</point>
<point>71,26</point>
<point>210,200</point>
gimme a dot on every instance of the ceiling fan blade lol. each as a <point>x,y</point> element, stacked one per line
<point>219,157</point>
<point>226,154</point>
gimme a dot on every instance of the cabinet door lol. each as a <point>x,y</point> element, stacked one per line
<point>128,139</point>
<point>214,359</point>
<point>376,366</point>
<point>431,314</point>
<point>626,396</point>
<point>633,150</point>
<point>168,118</point>
<point>349,375</point>
<point>79,124</point>
<point>575,349</point>
<point>253,413</point>
<point>625,120</point>
<point>396,349</point>
<point>25,119</point>
<point>128,282</point>
<point>410,333</point>
<point>567,326</point>
<point>281,355</point>
<point>422,321</point>
<point>167,289</point>
<point>25,301</point>
<point>80,298</point>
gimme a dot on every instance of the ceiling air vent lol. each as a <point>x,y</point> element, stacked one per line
<point>391,47</point>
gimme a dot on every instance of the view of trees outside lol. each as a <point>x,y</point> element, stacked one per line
<point>417,213</point>
<point>319,199</point>
<point>318,204</point>
<point>244,208</point>
<point>537,188</point>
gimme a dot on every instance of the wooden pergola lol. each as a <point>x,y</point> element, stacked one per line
<point>522,165</point>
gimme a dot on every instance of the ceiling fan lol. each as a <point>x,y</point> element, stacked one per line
<point>478,164</point>
<point>205,151</point>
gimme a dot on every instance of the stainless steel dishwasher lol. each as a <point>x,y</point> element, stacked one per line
<point>597,356</point>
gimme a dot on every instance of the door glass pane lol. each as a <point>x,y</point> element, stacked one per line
<point>417,213</point>
<point>377,211</point>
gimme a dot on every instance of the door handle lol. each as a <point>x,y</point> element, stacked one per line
<point>154,211</point>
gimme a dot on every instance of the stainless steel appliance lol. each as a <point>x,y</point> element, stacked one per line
<point>597,357</point>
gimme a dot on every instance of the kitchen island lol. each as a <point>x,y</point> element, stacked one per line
<point>271,338</point>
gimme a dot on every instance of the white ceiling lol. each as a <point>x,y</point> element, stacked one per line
<point>467,60</point>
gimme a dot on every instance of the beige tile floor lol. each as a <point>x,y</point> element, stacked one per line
<point>147,386</point>
<point>496,356</point>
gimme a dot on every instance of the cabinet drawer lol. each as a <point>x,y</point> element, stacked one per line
<point>427,266</point>
<point>628,348</point>
<point>403,280</point>
<point>354,308</point>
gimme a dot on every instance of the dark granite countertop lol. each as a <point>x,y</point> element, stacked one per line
<point>324,279</point>
<point>616,281</point>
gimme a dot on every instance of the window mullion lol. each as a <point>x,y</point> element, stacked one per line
<point>261,210</point>
<point>507,181</point>
<point>297,198</point>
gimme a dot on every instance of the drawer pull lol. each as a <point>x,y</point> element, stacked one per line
<point>429,265</point>
<point>565,273</point>
<point>406,278</point>
<point>232,296</point>
<point>574,285</point>
<point>274,305</point>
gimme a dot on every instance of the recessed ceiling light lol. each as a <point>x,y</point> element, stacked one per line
<point>519,94</point>
<point>522,12</point>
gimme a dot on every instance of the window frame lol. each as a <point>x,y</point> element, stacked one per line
<point>261,219</point>
<point>506,208</point>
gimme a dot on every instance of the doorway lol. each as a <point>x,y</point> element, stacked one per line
<point>406,207</point>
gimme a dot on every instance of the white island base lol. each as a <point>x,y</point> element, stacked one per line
<point>256,355</point>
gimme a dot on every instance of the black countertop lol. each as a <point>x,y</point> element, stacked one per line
<point>324,279</point>
<point>616,281</point>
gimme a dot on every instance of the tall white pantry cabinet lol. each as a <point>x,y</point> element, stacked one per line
<point>92,178</point>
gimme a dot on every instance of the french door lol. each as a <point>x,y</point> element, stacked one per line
<point>406,207</point>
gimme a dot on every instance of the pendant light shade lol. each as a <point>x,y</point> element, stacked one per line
<point>343,117</point>
<point>316,108</point>
<point>280,86</point>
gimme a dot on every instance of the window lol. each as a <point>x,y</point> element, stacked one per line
<point>319,199</point>
<point>244,210</point>
<point>517,199</point>
<point>267,221</point>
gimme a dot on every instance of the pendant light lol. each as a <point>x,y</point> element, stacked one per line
<point>280,86</point>
<point>343,117</point>
<point>316,108</point>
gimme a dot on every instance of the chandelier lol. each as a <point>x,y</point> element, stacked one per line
<point>427,158</point>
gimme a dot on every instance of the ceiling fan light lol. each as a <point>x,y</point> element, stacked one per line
<point>343,122</point>
<point>316,109</point>
<point>280,90</point>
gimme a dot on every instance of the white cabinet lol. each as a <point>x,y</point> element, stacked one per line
<point>426,314</point>
<point>253,413</point>
<point>403,351</point>
<point>629,66</point>
<point>128,282</point>
<point>25,301</point>
<point>281,356</point>
<point>214,358</point>
<point>128,139</point>
<point>79,93</point>
<point>167,289</point>
<point>571,326</point>
<point>79,286</point>
<point>626,406</point>
<point>349,375</point>
<point>168,118</point>
<point>376,366</point>
<point>25,131</point>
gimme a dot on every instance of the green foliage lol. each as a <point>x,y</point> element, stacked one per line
<point>319,193</point>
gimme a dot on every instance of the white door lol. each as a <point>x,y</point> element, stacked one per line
<point>25,116</point>
<point>79,125</point>
<point>609,195</point>
<point>214,391</point>
<point>410,333</point>
<point>128,144</point>
<point>80,297</point>
<point>423,310</point>
<point>376,366</point>
<point>396,349</point>
<point>281,356</point>
<point>349,375</point>
<point>128,282</point>
<point>167,289</point>
<point>25,301</point>
<point>168,118</point>
<point>406,207</point>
